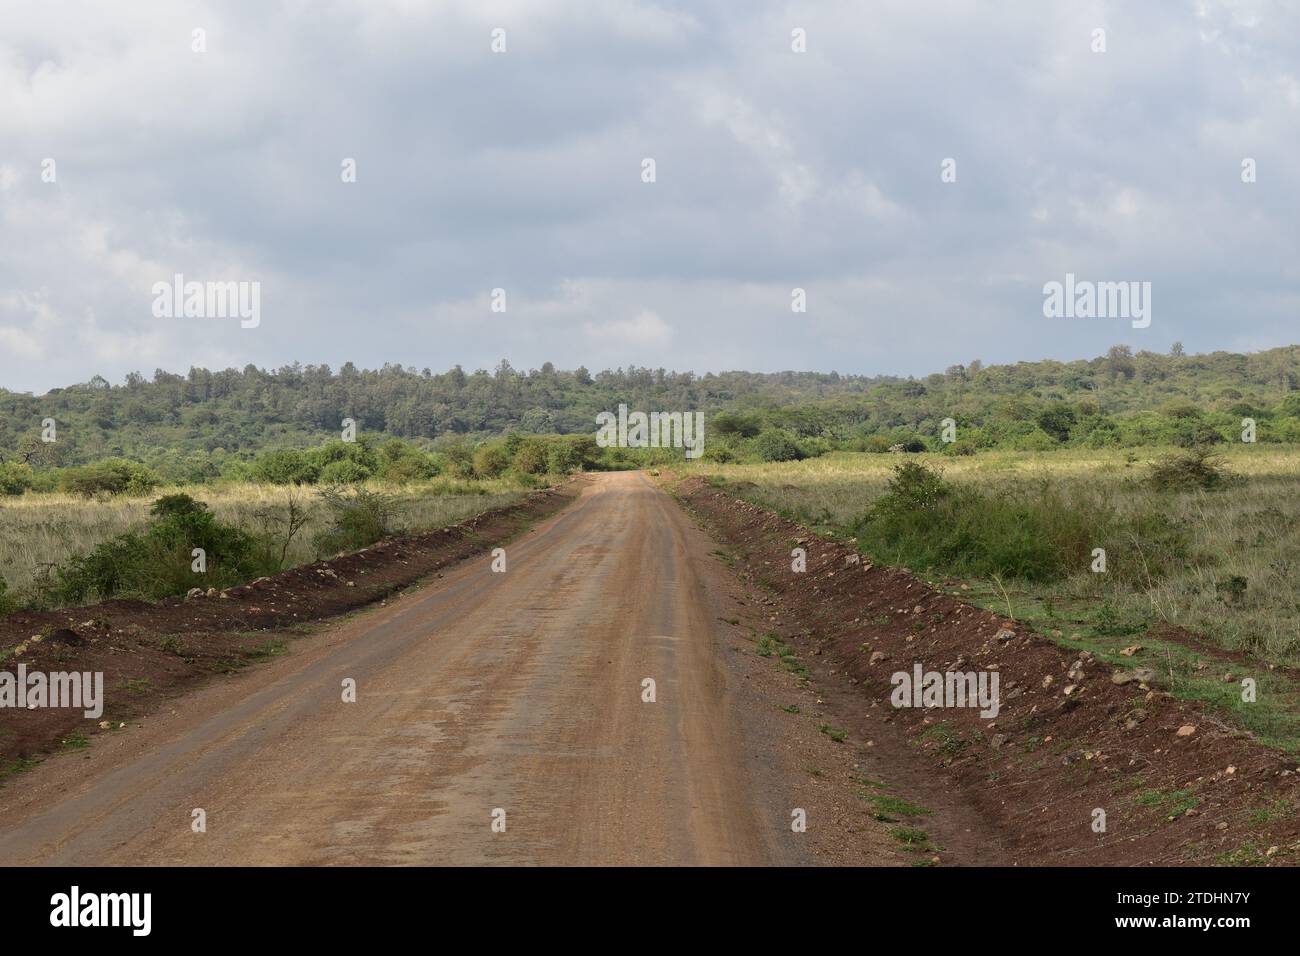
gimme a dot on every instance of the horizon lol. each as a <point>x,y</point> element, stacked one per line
<point>419,370</point>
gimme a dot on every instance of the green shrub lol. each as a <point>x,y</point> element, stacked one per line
<point>563,458</point>
<point>1182,471</point>
<point>1037,531</point>
<point>15,477</point>
<point>359,517</point>
<point>1056,420</point>
<point>286,466</point>
<point>776,445</point>
<point>400,462</point>
<point>458,460</point>
<point>531,458</point>
<point>158,561</point>
<point>112,476</point>
<point>344,472</point>
<point>490,461</point>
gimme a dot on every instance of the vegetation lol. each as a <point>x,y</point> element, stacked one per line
<point>1223,562</point>
<point>46,538</point>
<point>1214,556</point>
<point>282,426</point>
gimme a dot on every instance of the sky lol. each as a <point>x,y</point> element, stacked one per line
<point>225,156</point>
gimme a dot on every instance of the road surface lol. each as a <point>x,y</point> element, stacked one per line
<point>513,697</point>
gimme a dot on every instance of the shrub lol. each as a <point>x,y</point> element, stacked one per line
<point>344,472</point>
<point>736,423</point>
<point>458,460</point>
<point>531,458</point>
<point>490,461</point>
<point>1039,531</point>
<point>563,458</point>
<point>1056,420</point>
<point>359,518</point>
<point>286,466</point>
<point>399,462</point>
<point>15,477</point>
<point>157,562</point>
<point>112,476</point>
<point>1196,434</point>
<point>1182,471</point>
<point>776,445</point>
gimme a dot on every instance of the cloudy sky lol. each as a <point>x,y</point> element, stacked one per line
<point>522,170</point>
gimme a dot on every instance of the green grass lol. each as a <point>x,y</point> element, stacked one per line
<point>837,734</point>
<point>897,806</point>
<point>1222,564</point>
<point>911,837</point>
<point>769,645</point>
<point>17,766</point>
<point>267,649</point>
<point>1174,802</point>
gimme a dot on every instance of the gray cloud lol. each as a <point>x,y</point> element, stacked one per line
<point>522,171</point>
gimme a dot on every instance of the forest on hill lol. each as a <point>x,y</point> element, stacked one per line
<point>204,424</point>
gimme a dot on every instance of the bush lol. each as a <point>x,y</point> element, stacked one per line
<point>531,458</point>
<point>344,472</point>
<point>458,461</point>
<point>1040,531</point>
<point>776,445</point>
<point>490,461</point>
<point>563,458</point>
<point>112,476</point>
<point>359,518</point>
<point>15,477</point>
<point>157,562</point>
<point>286,466</point>
<point>1056,420</point>
<point>1183,471</point>
<point>400,462</point>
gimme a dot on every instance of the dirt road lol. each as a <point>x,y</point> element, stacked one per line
<point>483,692</point>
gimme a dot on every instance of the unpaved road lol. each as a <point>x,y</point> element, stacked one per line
<point>519,691</point>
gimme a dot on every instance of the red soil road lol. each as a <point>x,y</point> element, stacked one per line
<point>520,691</point>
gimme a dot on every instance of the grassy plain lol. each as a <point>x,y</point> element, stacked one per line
<point>1234,580</point>
<point>38,531</point>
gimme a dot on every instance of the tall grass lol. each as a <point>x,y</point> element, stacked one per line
<point>1177,556</point>
<point>41,531</point>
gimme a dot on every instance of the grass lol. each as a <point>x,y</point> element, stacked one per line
<point>76,741</point>
<point>1223,564</point>
<point>1174,803</point>
<point>837,734</point>
<point>1241,533</point>
<point>897,806</point>
<point>770,644</point>
<point>38,531</point>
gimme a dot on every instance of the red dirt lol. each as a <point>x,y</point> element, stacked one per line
<point>149,653</point>
<point>1040,769</point>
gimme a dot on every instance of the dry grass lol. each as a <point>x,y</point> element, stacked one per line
<point>40,530</point>
<point>1244,531</point>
